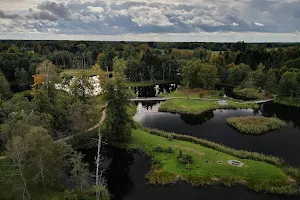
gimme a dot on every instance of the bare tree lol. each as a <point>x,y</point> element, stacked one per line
<point>100,181</point>
<point>17,150</point>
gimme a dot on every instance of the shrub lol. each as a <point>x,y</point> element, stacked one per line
<point>169,150</point>
<point>188,166</point>
<point>158,149</point>
<point>184,158</point>
<point>156,164</point>
<point>161,177</point>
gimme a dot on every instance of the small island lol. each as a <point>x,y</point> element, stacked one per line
<point>255,125</point>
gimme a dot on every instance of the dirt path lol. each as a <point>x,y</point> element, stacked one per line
<point>103,117</point>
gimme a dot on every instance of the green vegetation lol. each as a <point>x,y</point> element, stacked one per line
<point>76,72</point>
<point>195,107</point>
<point>204,164</point>
<point>147,83</point>
<point>252,93</point>
<point>194,93</point>
<point>289,101</point>
<point>255,125</point>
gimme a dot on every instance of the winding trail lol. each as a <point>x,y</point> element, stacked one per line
<point>103,117</point>
<point>203,99</point>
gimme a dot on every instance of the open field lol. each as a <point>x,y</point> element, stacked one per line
<point>205,167</point>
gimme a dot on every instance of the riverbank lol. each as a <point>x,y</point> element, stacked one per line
<point>252,93</point>
<point>288,101</point>
<point>255,125</point>
<point>196,107</point>
<point>209,163</point>
<point>193,93</point>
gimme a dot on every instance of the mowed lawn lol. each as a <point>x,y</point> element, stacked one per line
<point>187,106</point>
<point>204,160</point>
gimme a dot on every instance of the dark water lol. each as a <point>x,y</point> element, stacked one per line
<point>125,173</point>
<point>284,143</point>
<point>154,90</point>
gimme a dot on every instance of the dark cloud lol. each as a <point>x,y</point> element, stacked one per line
<point>110,17</point>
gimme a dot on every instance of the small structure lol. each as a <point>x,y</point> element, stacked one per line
<point>235,163</point>
<point>223,103</point>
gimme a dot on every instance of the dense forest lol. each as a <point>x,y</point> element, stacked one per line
<point>257,65</point>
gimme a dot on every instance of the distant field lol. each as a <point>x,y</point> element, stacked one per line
<point>76,72</point>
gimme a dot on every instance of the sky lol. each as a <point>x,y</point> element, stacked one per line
<point>152,20</point>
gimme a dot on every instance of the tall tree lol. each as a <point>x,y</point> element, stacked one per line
<point>116,93</point>
<point>4,87</point>
<point>48,71</point>
<point>17,150</point>
<point>198,74</point>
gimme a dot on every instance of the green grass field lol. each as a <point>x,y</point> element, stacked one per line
<point>289,101</point>
<point>194,93</point>
<point>148,83</point>
<point>200,155</point>
<point>205,168</point>
<point>76,72</point>
<point>255,125</point>
<point>186,106</point>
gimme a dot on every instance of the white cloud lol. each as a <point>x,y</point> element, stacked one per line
<point>258,24</point>
<point>96,9</point>
<point>207,22</point>
<point>234,24</point>
<point>144,15</point>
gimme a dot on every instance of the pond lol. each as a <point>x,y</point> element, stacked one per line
<point>125,174</point>
<point>212,126</point>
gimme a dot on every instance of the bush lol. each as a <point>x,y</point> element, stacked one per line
<point>161,177</point>
<point>169,150</point>
<point>184,158</point>
<point>188,166</point>
<point>158,149</point>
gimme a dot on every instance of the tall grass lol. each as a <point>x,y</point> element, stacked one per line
<point>255,125</point>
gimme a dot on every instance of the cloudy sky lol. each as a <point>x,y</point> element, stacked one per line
<point>152,20</point>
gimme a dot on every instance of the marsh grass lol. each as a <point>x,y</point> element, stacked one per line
<point>289,101</point>
<point>196,107</point>
<point>255,125</point>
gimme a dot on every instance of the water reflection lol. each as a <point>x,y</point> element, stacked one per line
<point>194,120</point>
<point>154,90</point>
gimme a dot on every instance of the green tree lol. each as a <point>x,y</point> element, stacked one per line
<point>238,74</point>
<point>116,93</point>
<point>288,84</point>
<point>47,70</point>
<point>82,87</point>
<point>4,87</point>
<point>198,74</point>
<point>260,77</point>
<point>271,82</point>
